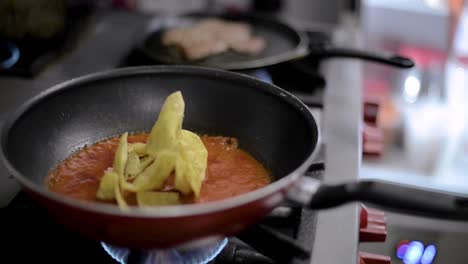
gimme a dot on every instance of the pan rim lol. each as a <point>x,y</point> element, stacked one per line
<point>272,189</point>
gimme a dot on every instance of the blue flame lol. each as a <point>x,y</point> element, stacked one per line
<point>168,256</point>
<point>14,57</point>
<point>260,74</point>
<point>117,253</point>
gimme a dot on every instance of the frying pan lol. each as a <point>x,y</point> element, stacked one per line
<point>284,43</point>
<point>270,123</point>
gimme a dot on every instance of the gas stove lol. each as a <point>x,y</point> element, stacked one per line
<point>275,240</point>
<point>285,236</point>
<point>28,57</point>
<point>288,235</point>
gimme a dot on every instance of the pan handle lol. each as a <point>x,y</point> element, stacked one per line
<point>395,196</point>
<point>403,198</point>
<point>328,51</point>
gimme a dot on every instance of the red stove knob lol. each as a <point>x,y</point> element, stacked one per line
<point>373,140</point>
<point>372,234</point>
<point>369,258</point>
<point>371,111</point>
<point>373,225</point>
<point>376,216</point>
<point>373,228</point>
<point>372,149</point>
<point>361,261</point>
<point>364,216</point>
<point>372,133</point>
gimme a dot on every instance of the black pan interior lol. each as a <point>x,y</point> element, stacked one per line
<point>270,124</point>
<point>283,43</point>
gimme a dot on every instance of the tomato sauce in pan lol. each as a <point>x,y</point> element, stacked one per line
<point>230,171</point>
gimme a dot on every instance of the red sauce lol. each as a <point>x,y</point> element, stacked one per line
<point>230,172</point>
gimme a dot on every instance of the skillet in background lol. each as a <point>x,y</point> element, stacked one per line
<point>284,43</point>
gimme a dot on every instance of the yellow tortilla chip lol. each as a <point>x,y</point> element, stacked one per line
<point>120,199</point>
<point>173,149</point>
<point>180,181</point>
<point>193,155</point>
<point>157,198</point>
<point>154,176</point>
<point>133,166</point>
<point>138,148</point>
<point>169,148</point>
<point>145,161</point>
<point>136,165</point>
<point>109,189</point>
<point>107,185</point>
<point>121,155</point>
<point>165,133</point>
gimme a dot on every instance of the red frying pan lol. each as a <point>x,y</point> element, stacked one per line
<point>269,123</point>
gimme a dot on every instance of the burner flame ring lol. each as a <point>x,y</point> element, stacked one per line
<point>14,56</point>
<point>201,255</point>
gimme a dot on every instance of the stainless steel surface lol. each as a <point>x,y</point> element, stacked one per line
<point>336,238</point>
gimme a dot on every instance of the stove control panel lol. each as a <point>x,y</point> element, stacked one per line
<point>372,228</point>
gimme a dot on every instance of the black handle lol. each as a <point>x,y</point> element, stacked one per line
<point>328,51</point>
<point>395,196</point>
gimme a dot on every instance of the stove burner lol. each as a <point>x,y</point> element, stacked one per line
<point>136,58</point>
<point>167,256</point>
<point>38,53</point>
<point>117,253</point>
<point>9,54</point>
<point>261,74</point>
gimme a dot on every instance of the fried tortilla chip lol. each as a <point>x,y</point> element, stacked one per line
<point>138,148</point>
<point>169,149</point>
<point>192,160</point>
<point>133,167</point>
<point>106,190</point>
<point>165,133</point>
<point>121,155</point>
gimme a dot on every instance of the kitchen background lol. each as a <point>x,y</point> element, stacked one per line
<point>422,120</point>
<point>416,123</point>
